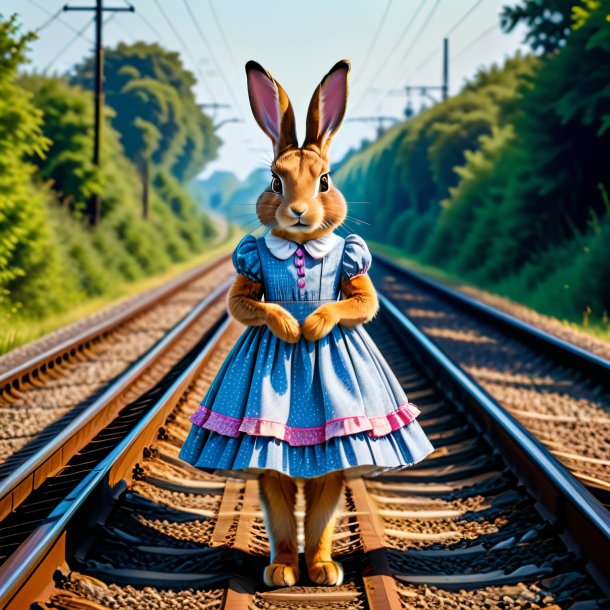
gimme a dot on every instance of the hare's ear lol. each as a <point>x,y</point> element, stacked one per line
<point>271,107</point>
<point>327,107</point>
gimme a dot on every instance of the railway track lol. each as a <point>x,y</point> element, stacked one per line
<point>53,404</point>
<point>491,519</point>
<point>557,390</point>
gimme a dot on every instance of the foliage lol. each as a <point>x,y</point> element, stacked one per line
<point>68,126</point>
<point>549,22</point>
<point>155,109</point>
<point>50,259</point>
<point>412,168</point>
<point>27,258</point>
<point>505,184</point>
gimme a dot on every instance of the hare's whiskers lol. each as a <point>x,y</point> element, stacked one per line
<point>358,220</point>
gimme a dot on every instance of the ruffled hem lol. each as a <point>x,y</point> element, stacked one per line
<point>376,426</point>
<point>246,456</point>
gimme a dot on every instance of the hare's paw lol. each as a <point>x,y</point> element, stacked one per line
<point>319,323</point>
<point>280,575</point>
<point>326,573</point>
<point>283,324</point>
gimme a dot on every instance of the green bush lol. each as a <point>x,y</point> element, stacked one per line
<point>501,183</point>
<point>50,259</point>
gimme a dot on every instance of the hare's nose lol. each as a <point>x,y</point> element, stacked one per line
<point>298,210</point>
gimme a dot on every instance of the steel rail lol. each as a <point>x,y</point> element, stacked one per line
<point>564,352</point>
<point>563,499</point>
<point>50,458</point>
<point>104,479</point>
<point>69,347</point>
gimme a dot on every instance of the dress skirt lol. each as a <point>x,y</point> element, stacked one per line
<point>305,409</point>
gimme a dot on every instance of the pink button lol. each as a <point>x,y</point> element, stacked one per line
<point>301,271</point>
<point>299,252</point>
<point>298,262</point>
<point>301,283</point>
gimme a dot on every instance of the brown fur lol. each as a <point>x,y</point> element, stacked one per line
<point>322,495</point>
<point>299,170</point>
<point>244,304</point>
<point>278,497</point>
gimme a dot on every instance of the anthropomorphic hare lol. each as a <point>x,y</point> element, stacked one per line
<point>304,396</point>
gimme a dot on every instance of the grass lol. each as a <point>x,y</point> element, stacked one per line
<point>22,331</point>
<point>598,328</point>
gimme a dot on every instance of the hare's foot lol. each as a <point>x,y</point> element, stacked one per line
<point>279,574</point>
<point>278,497</point>
<point>326,573</point>
<point>322,495</point>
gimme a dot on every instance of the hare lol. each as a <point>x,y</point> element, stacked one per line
<point>304,397</point>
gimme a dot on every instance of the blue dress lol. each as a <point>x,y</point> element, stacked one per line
<point>304,408</point>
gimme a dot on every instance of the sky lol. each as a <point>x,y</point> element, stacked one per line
<point>390,43</point>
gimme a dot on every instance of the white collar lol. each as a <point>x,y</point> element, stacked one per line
<point>317,248</point>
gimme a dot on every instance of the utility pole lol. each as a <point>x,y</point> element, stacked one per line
<point>445,68</point>
<point>94,204</point>
<point>145,188</point>
<point>424,90</point>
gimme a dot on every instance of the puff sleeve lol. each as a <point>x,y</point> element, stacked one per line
<point>356,257</point>
<point>246,259</point>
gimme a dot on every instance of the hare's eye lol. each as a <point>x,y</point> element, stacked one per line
<point>324,183</point>
<point>276,185</point>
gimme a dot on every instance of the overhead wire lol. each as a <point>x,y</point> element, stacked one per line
<point>421,30</point>
<point>463,18</point>
<point>211,53</point>
<point>480,37</point>
<point>185,49</point>
<point>224,38</point>
<point>450,31</point>
<point>384,63</point>
<point>69,44</point>
<point>369,51</point>
<point>79,33</point>
<point>49,21</point>
<point>419,33</point>
<point>150,26</point>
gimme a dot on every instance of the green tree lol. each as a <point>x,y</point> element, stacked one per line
<point>549,22</point>
<point>27,258</point>
<point>68,127</point>
<point>155,108</point>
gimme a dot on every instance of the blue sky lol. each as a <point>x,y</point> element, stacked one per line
<point>297,42</point>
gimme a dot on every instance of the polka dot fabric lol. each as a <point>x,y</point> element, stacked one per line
<point>306,408</point>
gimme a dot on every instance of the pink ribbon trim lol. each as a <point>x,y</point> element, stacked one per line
<point>376,426</point>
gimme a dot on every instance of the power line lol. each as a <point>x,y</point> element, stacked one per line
<point>367,55</point>
<point>72,40</point>
<point>150,26</point>
<point>480,37</point>
<point>209,49</point>
<point>464,17</point>
<point>94,204</point>
<point>384,63</point>
<point>224,38</point>
<point>79,33</point>
<point>49,21</point>
<point>417,36</point>
<point>185,48</point>
<point>421,30</point>
<point>436,49</point>
<point>121,27</point>
<point>450,31</point>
